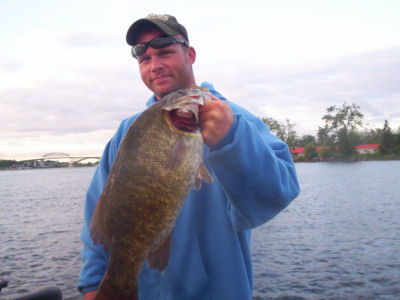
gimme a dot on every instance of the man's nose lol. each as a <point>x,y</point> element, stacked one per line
<point>156,63</point>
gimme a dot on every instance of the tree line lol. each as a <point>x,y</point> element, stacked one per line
<point>6,163</point>
<point>342,132</point>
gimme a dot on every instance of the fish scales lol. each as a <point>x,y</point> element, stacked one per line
<point>156,167</point>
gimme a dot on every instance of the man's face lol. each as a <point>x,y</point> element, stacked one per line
<point>168,69</point>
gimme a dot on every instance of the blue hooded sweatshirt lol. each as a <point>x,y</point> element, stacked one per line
<point>254,179</point>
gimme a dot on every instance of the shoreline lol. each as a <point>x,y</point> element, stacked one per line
<point>46,168</point>
<point>350,159</point>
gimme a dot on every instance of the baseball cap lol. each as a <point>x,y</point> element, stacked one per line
<point>166,23</point>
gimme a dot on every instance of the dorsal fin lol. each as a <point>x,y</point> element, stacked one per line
<point>98,231</point>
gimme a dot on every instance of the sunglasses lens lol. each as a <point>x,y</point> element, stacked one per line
<point>156,43</point>
<point>138,49</point>
<point>160,42</point>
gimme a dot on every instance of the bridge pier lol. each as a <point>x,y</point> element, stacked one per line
<point>38,163</point>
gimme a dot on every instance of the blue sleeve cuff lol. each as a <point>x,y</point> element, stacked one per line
<point>228,137</point>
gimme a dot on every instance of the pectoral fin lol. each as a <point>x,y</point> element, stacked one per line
<point>202,174</point>
<point>158,258</point>
<point>178,153</point>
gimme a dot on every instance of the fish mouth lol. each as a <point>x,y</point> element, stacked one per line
<point>184,121</point>
<point>182,107</point>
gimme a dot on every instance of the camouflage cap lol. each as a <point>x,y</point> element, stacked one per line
<point>166,23</point>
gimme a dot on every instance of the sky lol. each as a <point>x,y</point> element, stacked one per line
<point>67,78</point>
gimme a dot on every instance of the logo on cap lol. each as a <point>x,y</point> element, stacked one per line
<point>155,17</point>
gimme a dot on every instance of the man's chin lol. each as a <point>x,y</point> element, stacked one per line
<point>164,90</point>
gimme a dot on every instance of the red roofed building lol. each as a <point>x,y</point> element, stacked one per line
<point>368,148</point>
<point>319,148</point>
<point>361,149</point>
<point>297,151</point>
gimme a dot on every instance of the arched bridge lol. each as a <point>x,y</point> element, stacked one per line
<point>56,155</point>
<point>72,160</point>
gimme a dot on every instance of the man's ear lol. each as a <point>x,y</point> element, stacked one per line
<point>191,55</point>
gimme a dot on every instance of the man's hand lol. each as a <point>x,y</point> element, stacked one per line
<point>215,118</point>
<point>89,295</point>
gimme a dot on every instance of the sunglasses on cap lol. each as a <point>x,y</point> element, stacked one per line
<point>156,43</point>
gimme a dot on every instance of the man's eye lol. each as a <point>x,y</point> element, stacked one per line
<point>143,59</point>
<point>165,52</point>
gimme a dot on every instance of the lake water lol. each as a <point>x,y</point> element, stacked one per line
<point>340,239</point>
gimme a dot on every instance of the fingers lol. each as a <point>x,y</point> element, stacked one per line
<point>215,117</point>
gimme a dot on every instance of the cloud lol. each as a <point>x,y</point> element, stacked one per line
<point>9,66</point>
<point>98,102</point>
<point>67,74</point>
<point>302,92</point>
<point>79,112</point>
<point>89,39</point>
<point>63,115</point>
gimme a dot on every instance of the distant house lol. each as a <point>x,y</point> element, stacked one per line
<point>368,148</point>
<point>319,148</point>
<point>361,149</point>
<point>297,151</point>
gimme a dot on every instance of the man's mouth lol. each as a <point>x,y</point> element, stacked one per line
<point>159,78</point>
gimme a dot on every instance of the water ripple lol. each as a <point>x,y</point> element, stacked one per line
<point>39,240</point>
<point>338,240</point>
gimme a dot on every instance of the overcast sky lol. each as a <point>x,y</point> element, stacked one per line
<point>67,78</point>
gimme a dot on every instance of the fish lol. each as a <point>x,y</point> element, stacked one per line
<point>159,161</point>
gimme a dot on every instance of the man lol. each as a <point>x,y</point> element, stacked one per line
<point>254,179</point>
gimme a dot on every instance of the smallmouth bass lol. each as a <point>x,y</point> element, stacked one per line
<point>158,162</point>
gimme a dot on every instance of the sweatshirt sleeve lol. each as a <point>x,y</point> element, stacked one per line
<point>255,169</point>
<point>94,259</point>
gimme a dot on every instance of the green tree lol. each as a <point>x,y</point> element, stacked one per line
<point>324,138</point>
<point>290,134</point>
<point>284,131</point>
<point>370,136</point>
<point>274,126</point>
<point>388,139</point>
<point>305,139</point>
<point>397,141</point>
<point>328,152</point>
<point>7,163</point>
<point>397,137</point>
<point>310,150</point>
<point>341,123</point>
